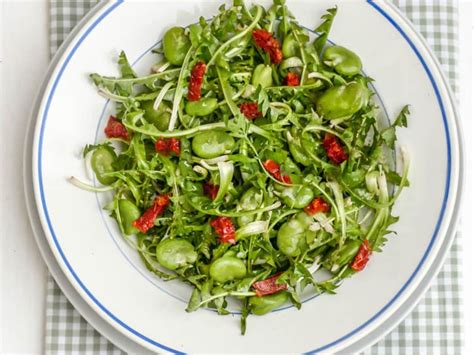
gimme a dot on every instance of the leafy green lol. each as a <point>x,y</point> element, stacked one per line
<point>360,192</point>
<point>125,68</point>
<point>401,120</point>
<point>324,28</point>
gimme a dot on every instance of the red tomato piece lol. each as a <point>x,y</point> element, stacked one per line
<point>286,179</point>
<point>195,81</point>
<point>116,129</point>
<point>274,169</point>
<point>276,54</point>
<point>147,219</point>
<point>250,110</point>
<point>316,206</point>
<point>291,79</point>
<point>161,146</point>
<point>362,257</point>
<point>261,38</point>
<point>269,44</point>
<point>165,146</point>
<point>175,145</point>
<point>224,227</point>
<point>334,149</point>
<point>210,190</point>
<point>269,286</point>
<point>271,166</point>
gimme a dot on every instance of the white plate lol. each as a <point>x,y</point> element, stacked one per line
<point>98,264</point>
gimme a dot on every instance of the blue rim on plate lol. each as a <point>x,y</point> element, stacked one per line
<point>162,346</point>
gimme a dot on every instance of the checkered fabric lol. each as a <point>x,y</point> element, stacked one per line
<point>67,332</point>
<point>434,326</point>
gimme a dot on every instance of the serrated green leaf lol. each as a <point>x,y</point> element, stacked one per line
<point>402,118</point>
<point>389,137</point>
<point>125,67</point>
<point>195,301</point>
<point>324,28</point>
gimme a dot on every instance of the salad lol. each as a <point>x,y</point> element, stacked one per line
<point>250,163</point>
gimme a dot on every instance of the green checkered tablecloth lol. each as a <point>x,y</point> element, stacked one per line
<point>434,326</point>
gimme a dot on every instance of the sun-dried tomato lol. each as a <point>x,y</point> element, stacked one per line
<point>274,169</point>
<point>269,44</point>
<point>362,257</point>
<point>147,219</point>
<point>286,179</point>
<point>224,227</point>
<point>161,146</point>
<point>250,110</point>
<point>195,81</point>
<point>269,286</point>
<point>175,145</point>
<point>316,206</point>
<point>210,190</point>
<point>116,129</point>
<point>334,149</point>
<point>291,79</point>
<point>165,146</point>
<point>261,37</point>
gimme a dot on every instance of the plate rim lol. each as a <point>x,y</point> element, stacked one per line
<point>444,221</point>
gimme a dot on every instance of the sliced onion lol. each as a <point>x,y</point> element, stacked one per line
<point>226,172</point>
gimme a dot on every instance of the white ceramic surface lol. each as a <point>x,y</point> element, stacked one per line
<point>102,274</point>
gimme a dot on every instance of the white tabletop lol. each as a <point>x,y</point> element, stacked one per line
<point>24,57</point>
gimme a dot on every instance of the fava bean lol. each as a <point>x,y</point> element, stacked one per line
<point>212,144</point>
<point>262,75</point>
<point>305,219</point>
<point>297,196</point>
<point>342,101</point>
<point>160,117</point>
<point>297,152</point>
<point>290,46</point>
<point>175,253</point>
<point>176,45</point>
<point>203,107</point>
<point>250,200</point>
<point>291,239</point>
<point>101,163</point>
<point>129,212</point>
<point>262,305</point>
<point>343,60</point>
<point>228,268</point>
